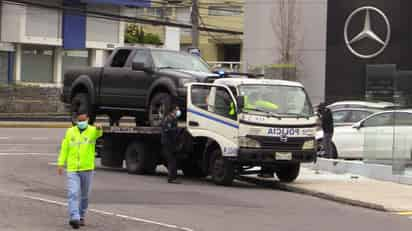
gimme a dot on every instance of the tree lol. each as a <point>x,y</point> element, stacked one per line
<point>285,24</point>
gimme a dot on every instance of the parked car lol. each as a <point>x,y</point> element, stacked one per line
<point>374,137</point>
<point>139,82</point>
<point>349,116</point>
<point>361,104</point>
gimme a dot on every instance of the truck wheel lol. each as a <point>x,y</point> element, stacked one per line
<point>160,105</point>
<point>288,172</point>
<point>223,172</point>
<point>110,156</point>
<point>81,101</point>
<point>139,159</point>
<point>192,169</point>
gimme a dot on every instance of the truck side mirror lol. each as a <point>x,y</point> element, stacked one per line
<point>137,66</point>
<point>357,125</point>
<point>240,100</point>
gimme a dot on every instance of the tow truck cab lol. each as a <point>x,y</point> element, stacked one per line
<point>255,122</point>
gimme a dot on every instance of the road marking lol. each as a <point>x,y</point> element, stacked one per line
<point>405,213</point>
<point>130,218</point>
<point>27,154</point>
<point>4,138</point>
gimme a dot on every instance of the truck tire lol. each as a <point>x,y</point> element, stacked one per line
<point>139,159</point>
<point>160,105</point>
<point>110,154</point>
<point>192,169</point>
<point>288,172</point>
<point>222,170</point>
<point>81,101</point>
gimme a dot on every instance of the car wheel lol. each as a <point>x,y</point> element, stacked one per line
<point>160,105</point>
<point>81,102</point>
<point>288,172</point>
<point>223,172</point>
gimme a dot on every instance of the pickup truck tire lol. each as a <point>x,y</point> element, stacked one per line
<point>139,159</point>
<point>288,172</point>
<point>81,101</point>
<point>160,105</point>
<point>223,172</point>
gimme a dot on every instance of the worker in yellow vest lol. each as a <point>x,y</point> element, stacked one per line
<point>77,155</point>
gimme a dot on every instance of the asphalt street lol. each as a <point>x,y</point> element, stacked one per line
<point>32,197</point>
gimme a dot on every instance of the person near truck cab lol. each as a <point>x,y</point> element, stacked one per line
<point>77,155</point>
<point>253,102</point>
<point>327,127</point>
<point>169,139</point>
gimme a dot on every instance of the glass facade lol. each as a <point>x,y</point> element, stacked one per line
<point>4,67</point>
<point>37,64</point>
<point>74,59</point>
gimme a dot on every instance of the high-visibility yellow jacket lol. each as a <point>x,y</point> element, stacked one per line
<point>78,149</point>
<point>258,103</point>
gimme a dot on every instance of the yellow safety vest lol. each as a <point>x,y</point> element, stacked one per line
<point>258,103</point>
<point>78,149</point>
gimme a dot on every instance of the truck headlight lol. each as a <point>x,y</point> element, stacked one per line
<point>309,144</point>
<point>248,142</point>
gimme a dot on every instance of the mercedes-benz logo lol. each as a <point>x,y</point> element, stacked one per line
<point>367,32</point>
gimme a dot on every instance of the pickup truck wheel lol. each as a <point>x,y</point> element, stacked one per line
<point>139,159</point>
<point>288,172</point>
<point>160,105</point>
<point>223,172</point>
<point>82,102</point>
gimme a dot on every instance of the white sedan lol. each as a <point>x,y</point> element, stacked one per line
<point>380,136</point>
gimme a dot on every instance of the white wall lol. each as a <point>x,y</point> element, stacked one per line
<point>261,45</point>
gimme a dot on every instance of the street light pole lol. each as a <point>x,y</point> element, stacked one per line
<point>195,23</point>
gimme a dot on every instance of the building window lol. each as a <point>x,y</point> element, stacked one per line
<point>37,64</point>
<point>157,12</point>
<point>225,10</point>
<point>42,22</point>
<point>75,59</point>
<point>101,29</point>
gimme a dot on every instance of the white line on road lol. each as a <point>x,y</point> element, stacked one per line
<point>130,218</point>
<point>4,138</point>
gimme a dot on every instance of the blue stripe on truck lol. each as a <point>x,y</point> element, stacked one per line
<point>213,118</point>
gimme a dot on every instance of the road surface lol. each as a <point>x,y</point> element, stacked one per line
<point>32,197</point>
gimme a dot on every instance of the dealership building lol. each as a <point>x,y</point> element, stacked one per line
<point>344,49</point>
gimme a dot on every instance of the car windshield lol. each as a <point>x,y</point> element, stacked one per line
<point>178,60</point>
<point>276,99</point>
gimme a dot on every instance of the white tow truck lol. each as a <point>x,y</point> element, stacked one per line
<point>232,126</point>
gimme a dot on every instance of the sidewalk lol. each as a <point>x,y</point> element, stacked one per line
<point>354,190</point>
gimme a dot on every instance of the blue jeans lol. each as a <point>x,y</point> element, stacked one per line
<point>78,189</point>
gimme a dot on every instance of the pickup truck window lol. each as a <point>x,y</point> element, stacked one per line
<point>143,56</point>
<point>120,58</point>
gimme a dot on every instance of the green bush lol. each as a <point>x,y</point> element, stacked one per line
<point>136,34</point>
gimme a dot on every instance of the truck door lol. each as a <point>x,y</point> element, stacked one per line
<point>211,113</point>
<point>117,85</point>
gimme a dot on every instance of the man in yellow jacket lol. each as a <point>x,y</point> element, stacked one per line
<point>77,155</point>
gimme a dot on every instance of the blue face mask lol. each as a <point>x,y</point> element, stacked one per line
<point>178,113</point>
<point>82,125</point>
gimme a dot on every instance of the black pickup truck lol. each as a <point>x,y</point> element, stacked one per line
<point>139,82</point>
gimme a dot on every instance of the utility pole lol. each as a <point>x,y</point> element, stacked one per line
<point>195,23</point>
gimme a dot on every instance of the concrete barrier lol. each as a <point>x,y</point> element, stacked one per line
<point>370,170</point>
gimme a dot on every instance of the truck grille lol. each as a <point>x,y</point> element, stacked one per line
<point>291,144</point>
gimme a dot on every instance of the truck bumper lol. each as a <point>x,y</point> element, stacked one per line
<point>268,156</point>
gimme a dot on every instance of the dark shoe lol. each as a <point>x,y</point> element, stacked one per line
<point>82,223</point>
<point>75,224</point>
<point>173,181</point>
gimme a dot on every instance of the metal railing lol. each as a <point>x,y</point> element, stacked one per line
<point>228,66</point>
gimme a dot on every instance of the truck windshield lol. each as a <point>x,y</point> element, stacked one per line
<point>276,99</point>
<point>177,60</point>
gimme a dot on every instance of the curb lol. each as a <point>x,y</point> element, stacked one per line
<point>296,189</point>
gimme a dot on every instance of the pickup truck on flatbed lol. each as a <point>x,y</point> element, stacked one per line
<point>138,82</point>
